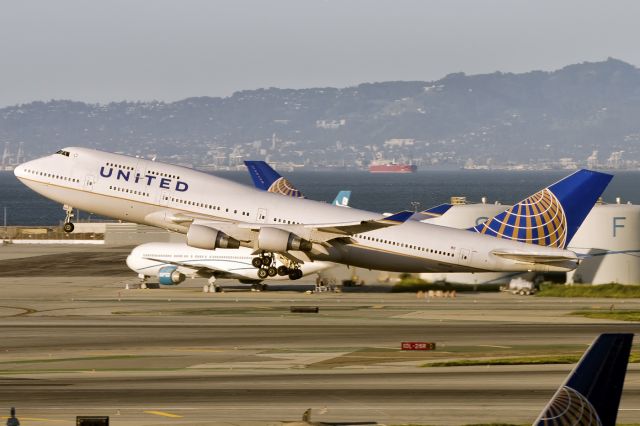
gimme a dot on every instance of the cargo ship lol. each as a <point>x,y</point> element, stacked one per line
<point>391,167</point>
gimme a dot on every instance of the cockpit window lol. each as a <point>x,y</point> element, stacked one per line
<point>63,152</point>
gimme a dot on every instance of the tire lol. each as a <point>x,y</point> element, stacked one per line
<point>266,261</point>
<point>262,273</point>
<point>256,262</point>
<point>295,274</point>
<point>283,270</point>
<point>68,227</point>
<point>271,271</point>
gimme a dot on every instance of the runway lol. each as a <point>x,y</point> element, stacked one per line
<point>76,344</point>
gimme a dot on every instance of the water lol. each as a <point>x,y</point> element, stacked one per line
<point>374,192</point>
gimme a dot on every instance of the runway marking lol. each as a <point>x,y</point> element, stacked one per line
<point>495,346</point>
<point>163,414</point>
<point>37,419</point>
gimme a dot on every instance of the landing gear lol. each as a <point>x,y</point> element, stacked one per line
<point>295,274</point>
<point>68,226</point>
<point>283,270</point>
<point>264,263</point>
<point>266,267</point>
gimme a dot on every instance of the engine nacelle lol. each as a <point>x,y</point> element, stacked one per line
<point>169,275</point>
<point>278,240</point>
<point>207,238</point>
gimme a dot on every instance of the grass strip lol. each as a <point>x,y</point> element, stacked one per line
<point>610,315</point>
<point>532,360</point>
<point>587,290</point>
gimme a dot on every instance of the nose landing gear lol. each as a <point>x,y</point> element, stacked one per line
<point>68,226</point>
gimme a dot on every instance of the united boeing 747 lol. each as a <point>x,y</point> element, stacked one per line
<point>216,213</point>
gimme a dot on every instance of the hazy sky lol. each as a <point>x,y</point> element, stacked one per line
<point>100,51</point>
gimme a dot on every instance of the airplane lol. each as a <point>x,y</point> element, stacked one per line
<point>216,213</point>
<point>172,263</point>
<point>589,396</point>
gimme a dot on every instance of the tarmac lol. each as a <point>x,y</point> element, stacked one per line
<point>74,341</point>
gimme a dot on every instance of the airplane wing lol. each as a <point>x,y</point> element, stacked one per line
<point>352,228</point>
<point>195,266</point>
<point>243,231</point>
<point>536,257</point>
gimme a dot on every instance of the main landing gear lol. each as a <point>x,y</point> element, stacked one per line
<point>266,267</point>
<point>68,226</point>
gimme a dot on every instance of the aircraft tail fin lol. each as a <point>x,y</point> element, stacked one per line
<point>552,216</point>
<point>342,199</point>
<point>266,178</point>
<point>591,394</point>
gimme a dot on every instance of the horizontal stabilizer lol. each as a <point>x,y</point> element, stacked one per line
<point>431,213</point>
<point>536,257</point>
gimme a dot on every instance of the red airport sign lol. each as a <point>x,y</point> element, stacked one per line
<point>418,346</point>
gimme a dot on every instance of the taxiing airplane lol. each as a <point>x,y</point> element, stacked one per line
<point>216,213</point>
<point>172,263</point>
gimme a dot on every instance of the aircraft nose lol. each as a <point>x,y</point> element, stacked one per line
<point>19,171</point>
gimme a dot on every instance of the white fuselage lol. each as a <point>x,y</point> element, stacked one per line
<point>147,260</point>
<point>148,192</point>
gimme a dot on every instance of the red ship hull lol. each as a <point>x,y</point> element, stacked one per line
<point>392,168</point>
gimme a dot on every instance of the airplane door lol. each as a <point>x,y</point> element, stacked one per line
<point>89,183</point>
<point>262,216</point>
<point>465,256</point>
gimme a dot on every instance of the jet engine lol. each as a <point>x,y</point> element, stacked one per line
<point>277,241</point>
<point>207,238</point>
<point>168,275</point>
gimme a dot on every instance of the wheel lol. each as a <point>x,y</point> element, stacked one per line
<point>266,261</point>
<point>271,271</point>
<point>68,227</point>
<point>283,270</point>
<point>262,273</point>
<point>256,262</point>
<point>295,274</point>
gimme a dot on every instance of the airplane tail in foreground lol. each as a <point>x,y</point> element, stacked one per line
<point>591,394</point>
<point>552,216</point>
<point>342,199</point>
<point>267,179</point>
